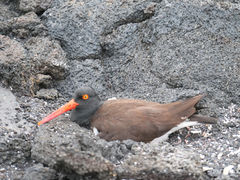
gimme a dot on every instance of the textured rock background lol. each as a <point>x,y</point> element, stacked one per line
<point>155,50</point>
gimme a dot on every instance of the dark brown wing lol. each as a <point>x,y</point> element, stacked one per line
<point>140,120</point>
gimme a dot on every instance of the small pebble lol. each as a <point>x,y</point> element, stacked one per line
<point>206,168</point>
<point>220,155</point>
<point>202,156</point>
<point>228,170</point>
<point>238,168</point>
<point>2,170</point>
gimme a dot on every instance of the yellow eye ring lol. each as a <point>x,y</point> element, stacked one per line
<point>85,96</point>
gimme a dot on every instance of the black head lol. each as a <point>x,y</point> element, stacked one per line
<point>85,103</point>
<point>89,102</point>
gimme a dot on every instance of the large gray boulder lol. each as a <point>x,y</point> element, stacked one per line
<point>37,6</point>
<point>81,27</point>
<point>15,145</point>
<point>71,150</point>
<point>21,64</point>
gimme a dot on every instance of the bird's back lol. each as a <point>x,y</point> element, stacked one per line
<point>140,120</point>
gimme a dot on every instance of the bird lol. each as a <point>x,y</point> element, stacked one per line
<point>135,119</point>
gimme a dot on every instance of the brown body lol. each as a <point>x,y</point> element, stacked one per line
<point>141,120</point>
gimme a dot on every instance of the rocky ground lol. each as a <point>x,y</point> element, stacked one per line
<point>158,50</point>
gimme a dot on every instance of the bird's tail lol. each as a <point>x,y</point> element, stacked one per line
<point>203,119</point>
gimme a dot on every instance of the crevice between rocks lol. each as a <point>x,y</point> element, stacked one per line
<point>136,17</point>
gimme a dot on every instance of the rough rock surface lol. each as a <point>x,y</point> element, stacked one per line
<point>149,162</point>
<point>21,64</point>
<point>15,137</point>
<point>39,172</point>
<point>34,5</point>
<point>47,94</point>
<point>64,146</point>
<point>8,10</point>
<point>89,20</point>
<point>154,50</point>
<point>23,26</point>
<point>14,144</point>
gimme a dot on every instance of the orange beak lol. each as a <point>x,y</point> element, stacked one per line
<point>67,107</point>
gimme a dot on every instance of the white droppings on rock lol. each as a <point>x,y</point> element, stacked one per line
<point>220,155</point>
<point>206,168</point>
<point>196,131</point>
<point>235,152</point>
<point>202,156</point>
<point>238,168</point>
<point>228,170</point>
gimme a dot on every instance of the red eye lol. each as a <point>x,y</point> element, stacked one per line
<point>85,96</point>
